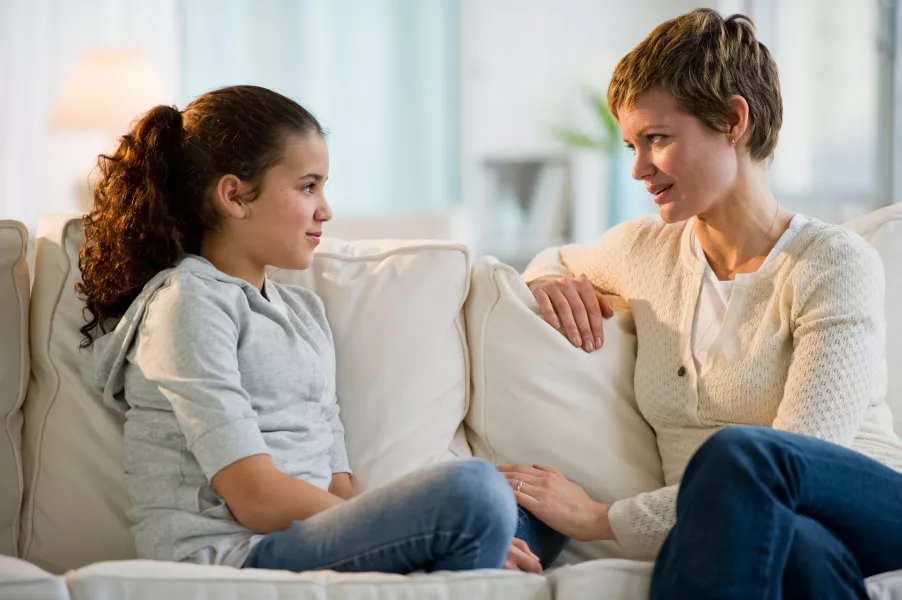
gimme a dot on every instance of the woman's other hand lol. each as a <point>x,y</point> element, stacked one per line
<point>558,502</point>
<point>574,307</point>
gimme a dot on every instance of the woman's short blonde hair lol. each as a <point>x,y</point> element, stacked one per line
<point>702,59</point>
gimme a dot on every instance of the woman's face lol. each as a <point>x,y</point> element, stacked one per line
<point>286,218</point>
<point>686,166</point>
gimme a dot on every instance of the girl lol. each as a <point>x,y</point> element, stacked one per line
<point>234,449</point>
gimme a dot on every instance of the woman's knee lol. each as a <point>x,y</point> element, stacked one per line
<point>729,452</point>
<point>734,444</point>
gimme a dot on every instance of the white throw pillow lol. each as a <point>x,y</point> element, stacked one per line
<point>14,370</point>
<point>883,230</point>
<point>537,399</point>
<point>395,312</point>
<point>402,370</point>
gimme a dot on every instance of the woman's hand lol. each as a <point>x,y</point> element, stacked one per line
<point>558,502</point>
<point>574,307</point>
<point>521,558</point>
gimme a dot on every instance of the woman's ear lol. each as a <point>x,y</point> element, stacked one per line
<point>739,119</point>
<point>227,197</point>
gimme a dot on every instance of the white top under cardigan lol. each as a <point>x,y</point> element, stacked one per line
<point>802,348</point>
<point>715,294</point>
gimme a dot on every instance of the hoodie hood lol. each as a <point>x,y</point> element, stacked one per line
<point>103,370</point>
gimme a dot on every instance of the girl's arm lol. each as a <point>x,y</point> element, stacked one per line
<point>265,499</point>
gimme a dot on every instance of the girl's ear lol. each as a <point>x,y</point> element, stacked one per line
<point>227,197</point>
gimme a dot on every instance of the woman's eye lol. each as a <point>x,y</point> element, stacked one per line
<point>309,188</point>
<point>631,148</point>
<point>655,138</point>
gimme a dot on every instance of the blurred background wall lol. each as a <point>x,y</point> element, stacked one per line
<point>445,116</point>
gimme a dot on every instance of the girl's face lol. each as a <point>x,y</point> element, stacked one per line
<point>285,221</point>
<point>686,167</point>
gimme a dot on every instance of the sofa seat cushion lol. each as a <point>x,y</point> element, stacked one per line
<point>631,580</point>
<point>147,580</point>
<point>610,579</point>
<point>20,580</point>
<point>887,586</point>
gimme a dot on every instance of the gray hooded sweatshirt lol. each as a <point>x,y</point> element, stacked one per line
<point>208,370</point>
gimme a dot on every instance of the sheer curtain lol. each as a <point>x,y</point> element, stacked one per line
<point>381,75</point>
<point>40,42</point>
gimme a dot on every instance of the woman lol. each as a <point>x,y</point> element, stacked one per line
<point>234,449</point>
<point>745,313</point>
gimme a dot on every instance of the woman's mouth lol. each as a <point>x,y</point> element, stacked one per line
<point>660,193</point>
<point>314,237</point>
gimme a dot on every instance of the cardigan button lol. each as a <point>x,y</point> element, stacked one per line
<point>681,371</point>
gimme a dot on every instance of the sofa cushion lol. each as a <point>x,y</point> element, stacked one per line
<point>14,371</point>
<point>401,370</point>
<point>887,586</point>
<point>631,580</point>
<point>21,580</point>
<point>75,497</point>
<point>537,399</point>
<point>395,312</point>
<point>140,580</point>
<point>883,230</point>
<point>616,579</point>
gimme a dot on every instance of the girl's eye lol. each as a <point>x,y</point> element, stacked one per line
<point>631,148</point>
<point>309,188</point>
<point>655,138</point>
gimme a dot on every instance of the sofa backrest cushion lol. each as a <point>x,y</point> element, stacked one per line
<point>536,399</point>
<point>883,230</point>
<point>395,309</point>
<point>14,373</point>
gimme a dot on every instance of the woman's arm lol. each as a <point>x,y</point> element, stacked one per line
<point>639,524</point>
<point>838,365</point>
<point>569,282</point>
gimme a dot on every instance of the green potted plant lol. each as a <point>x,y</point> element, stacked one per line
<point>593,155</point>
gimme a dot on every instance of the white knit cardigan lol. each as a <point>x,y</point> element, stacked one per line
<point>802,349</point>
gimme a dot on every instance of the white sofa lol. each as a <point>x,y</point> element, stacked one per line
<point>438,356</point>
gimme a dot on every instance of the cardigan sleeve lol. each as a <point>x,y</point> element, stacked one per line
<point>641,523</point>
<point>604,262</point>
<point>838,365</point>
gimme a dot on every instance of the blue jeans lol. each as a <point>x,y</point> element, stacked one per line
<point>455,516</point>
<point>545,542</point>
<point>766,514</point>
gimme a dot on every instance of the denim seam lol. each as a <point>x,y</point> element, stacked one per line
<point>414,538</point>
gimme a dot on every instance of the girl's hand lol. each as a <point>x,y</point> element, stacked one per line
<point>342,486</point>
<point>558,502</point>
<point>575,308</point>
<point>521,558</point>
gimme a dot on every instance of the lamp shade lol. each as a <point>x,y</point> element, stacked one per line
<point>107,90</point>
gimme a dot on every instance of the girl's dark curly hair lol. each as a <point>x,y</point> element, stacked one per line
<point>152,202</point>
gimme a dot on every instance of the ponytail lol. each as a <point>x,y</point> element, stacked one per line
<point>136,192</point>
